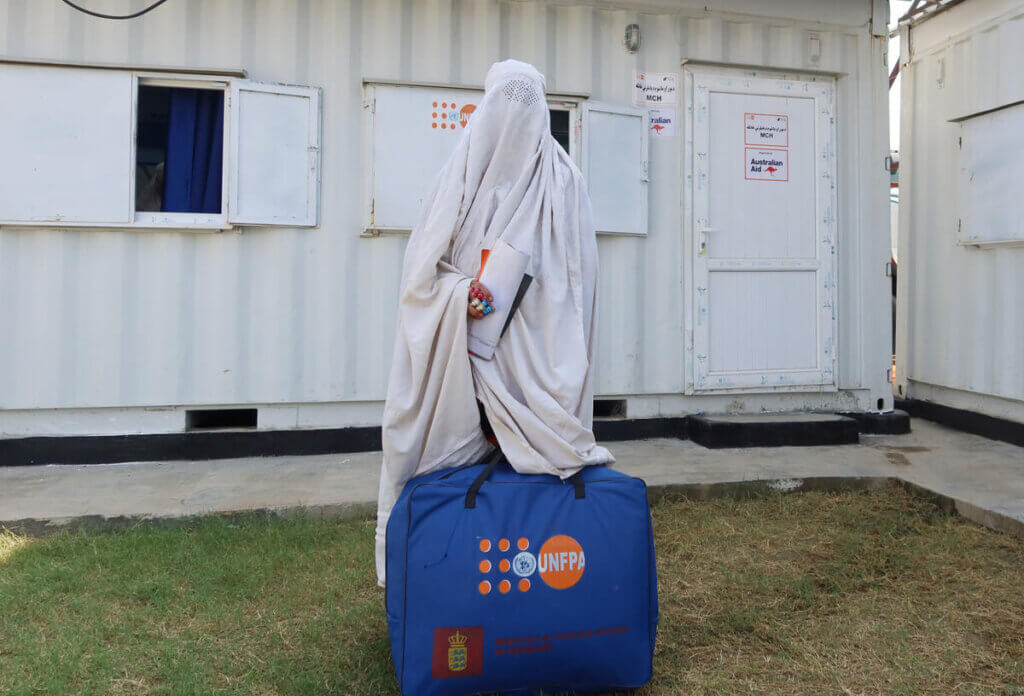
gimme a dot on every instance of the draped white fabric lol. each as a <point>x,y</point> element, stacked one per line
<point>507,179</point>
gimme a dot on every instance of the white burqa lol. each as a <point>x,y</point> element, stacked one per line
<point>508,179</point>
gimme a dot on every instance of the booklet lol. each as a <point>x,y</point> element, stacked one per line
<point>504,274</point>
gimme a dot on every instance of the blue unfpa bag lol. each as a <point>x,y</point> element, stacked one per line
<point>499,582</point>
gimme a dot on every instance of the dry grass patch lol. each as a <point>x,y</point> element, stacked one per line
<point>859,593</point>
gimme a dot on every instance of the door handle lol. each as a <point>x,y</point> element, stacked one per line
<point>703,239</point>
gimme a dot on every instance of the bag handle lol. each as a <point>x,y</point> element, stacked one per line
<point>474,487</point>
<point>579,488</point>
<point>577,483</point>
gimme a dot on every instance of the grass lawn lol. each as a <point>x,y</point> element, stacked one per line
<point>857,593</point>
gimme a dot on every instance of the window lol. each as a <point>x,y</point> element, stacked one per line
<point>412,129</point>
<point>179,149</point>
<point>615,166</point>
<point>991,211</point>
<point>121,148</point>
<point>560,127</point>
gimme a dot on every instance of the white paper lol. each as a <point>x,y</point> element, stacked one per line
<point>502,275</point>
<point>654,89</point>
<point>766,129</point>
<point>663,122</point>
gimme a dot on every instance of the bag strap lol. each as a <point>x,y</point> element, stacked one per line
<point>576,480</point>
<point>474,487</point>
<point>577,483</point>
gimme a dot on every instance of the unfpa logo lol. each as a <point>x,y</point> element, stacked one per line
<point>560,563</point>
<point>447,115</point>
<point>458,651</point>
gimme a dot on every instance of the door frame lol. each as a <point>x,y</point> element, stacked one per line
<point>698,80</point>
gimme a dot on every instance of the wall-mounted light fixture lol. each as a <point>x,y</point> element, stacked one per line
<point>632,38</point>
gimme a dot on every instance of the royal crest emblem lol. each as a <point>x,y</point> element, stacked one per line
<point>458,653</point>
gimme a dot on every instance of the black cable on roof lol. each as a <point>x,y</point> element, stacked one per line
<point>133,15</point>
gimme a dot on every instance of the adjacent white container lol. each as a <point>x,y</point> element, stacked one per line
<point>960,312</point>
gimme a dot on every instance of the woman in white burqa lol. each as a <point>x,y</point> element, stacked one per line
<point>509,180</point>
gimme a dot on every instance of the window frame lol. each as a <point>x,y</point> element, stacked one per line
<point>193,221</point>
<point>571,105</point>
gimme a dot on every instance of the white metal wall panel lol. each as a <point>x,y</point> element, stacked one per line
<point>304,316</point>
<point>961,308</point>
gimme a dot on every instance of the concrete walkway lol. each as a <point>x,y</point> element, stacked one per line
<point>983,479</point>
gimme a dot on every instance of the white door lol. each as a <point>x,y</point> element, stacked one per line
<point>762,195</point>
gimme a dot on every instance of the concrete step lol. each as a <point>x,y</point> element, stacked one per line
<point>770,430</point>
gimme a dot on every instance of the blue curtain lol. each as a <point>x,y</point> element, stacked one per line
<point>195,147</point>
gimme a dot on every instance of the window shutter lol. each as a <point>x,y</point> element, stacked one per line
<point>66,138</point>
<point>275,155</point>
<point>615,166</point>
<point>991,209</point>
<point>412,132</point>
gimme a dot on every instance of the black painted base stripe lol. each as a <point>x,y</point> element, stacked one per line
<point>892,423</point>
<point>968,421</point>
<point>108,449</point>
<point>196,446</point>
<point>617,429</point>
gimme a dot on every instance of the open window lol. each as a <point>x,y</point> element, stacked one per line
<point>122,148</point>
<point>615,166</point>
<point>412,129</point>
<point>179,153</point>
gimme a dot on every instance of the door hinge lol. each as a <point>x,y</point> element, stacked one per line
<point>888,269</point>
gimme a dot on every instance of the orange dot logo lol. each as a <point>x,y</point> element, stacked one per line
<point>485,566</point>
<point>524,585</point>
<point>485,545</point>
<point>504,587</point>
<point>448,114</point>
<point>484,587</point>
<point>504,545</point>
<point>504,565</point>
<point>523,543</point>
<point>561,562</point>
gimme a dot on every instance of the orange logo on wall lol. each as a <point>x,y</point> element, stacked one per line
<point>447,114</point>
<point>561,562</point>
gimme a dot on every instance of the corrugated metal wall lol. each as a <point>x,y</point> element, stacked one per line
<point>961,314</point>
<point>95,318</point>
